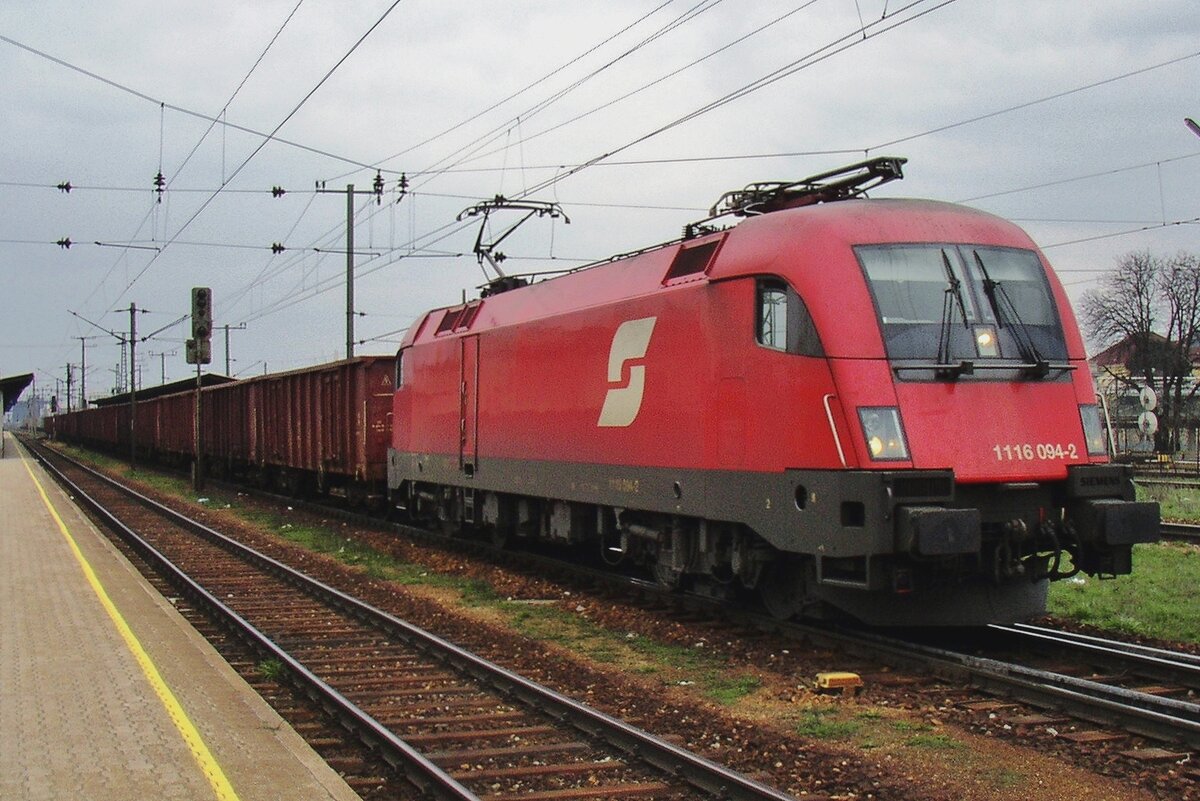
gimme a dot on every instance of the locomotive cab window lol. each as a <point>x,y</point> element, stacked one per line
<point>946,305</point>
<point>782,320</point>
<point>400,368</point>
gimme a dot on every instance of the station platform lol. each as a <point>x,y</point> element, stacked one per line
<point>106,692</point>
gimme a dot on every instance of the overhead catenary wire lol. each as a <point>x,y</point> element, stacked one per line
<point>175,173</point>
<point>220,118</point>
<point>483,140</point>
<point>1019,106</point>
<point>331,235</point>
<point>790,69</point>
<point>652,160</point>
<point>1072,179</point>
<point>1008,109</point>
<point>814,57</point>
<point>645,86</point>
<point>267,139</point>
<point>1140,229</point>
<point>521,91</point>
<point>333,232</point>
<point>184,110</point>
<point>835,47</point>
<point>244,290</point>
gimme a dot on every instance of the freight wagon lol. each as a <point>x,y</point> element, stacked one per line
<point>322,429</point>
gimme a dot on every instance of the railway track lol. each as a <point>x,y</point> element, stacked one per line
<point>1181,532</point>
<point>1117,697</point>
<point>455,725</point>
<point>1140,662</point>
<point>1054,671</point>
<point>1069,698</point>
<point>1167,480</point>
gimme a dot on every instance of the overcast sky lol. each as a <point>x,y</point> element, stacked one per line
<point>1064,115</point>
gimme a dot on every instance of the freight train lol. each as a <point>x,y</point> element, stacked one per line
<point>321,430</point>
<point>841,406</point>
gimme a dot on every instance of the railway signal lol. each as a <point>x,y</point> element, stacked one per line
<point>199,348</point>
<point>202,316</point>
<point>199,351</point>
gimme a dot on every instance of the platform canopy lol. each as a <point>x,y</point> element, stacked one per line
<point>12,387</point>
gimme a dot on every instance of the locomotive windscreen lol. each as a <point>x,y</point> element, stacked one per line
<point>952,303</point>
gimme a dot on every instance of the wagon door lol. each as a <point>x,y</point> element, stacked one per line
<point>468,425</point>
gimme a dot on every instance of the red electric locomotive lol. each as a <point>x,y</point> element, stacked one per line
<point>881,407</point>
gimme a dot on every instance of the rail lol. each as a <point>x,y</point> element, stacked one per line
<point>703,774</point>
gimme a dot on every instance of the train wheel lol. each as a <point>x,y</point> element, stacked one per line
<point>667,577</point>
<point>782,589</point>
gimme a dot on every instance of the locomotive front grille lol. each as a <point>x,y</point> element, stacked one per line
<point>907,488</point>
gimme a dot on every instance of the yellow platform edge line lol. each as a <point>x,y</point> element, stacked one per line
<point>195,743</point>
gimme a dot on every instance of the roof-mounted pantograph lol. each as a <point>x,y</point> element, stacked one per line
<point>764,197</point>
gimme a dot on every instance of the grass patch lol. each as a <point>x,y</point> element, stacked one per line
<point>168,485</point>
<point>732,689</point>
<point>905,726</point>
<point>868,729</point>
<point>271,669</point>
<point>674,665</point>
<point>1157,600</point>
<point>1004,778</point>
<point>165,483</point>
<point>826,724</point>
<point>318,538</point>
<point>934,742</point>
<point>1176,503</point>
<point>476,592</point>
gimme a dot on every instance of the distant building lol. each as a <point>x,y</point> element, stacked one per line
<point>27,414</point>
<point>1119,373</point>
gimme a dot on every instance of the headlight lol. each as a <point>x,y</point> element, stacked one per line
<point>1093,432</point>
<point>883,433</point>
<point>985,342</point>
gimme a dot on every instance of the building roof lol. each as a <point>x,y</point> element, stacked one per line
<point>12,387</point>
<point>1120,353</point>
<point>1124,356</point>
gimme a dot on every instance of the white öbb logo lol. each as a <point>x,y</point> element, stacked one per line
<point>622,403</point>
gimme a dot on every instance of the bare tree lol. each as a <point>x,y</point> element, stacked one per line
<point>1153,304</point>
<point>1180,288</point>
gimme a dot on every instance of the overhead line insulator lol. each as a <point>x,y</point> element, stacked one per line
<point>65,187</point>
<point>277,247</point>
<point>160,184</point>
<point>377,186</point>
<point>65,243</point>
<point>278,191</point>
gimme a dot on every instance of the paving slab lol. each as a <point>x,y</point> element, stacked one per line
<point>82,714</point>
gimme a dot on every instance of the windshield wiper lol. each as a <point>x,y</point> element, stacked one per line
<point>1005,311</point>
<point>953,294</point>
